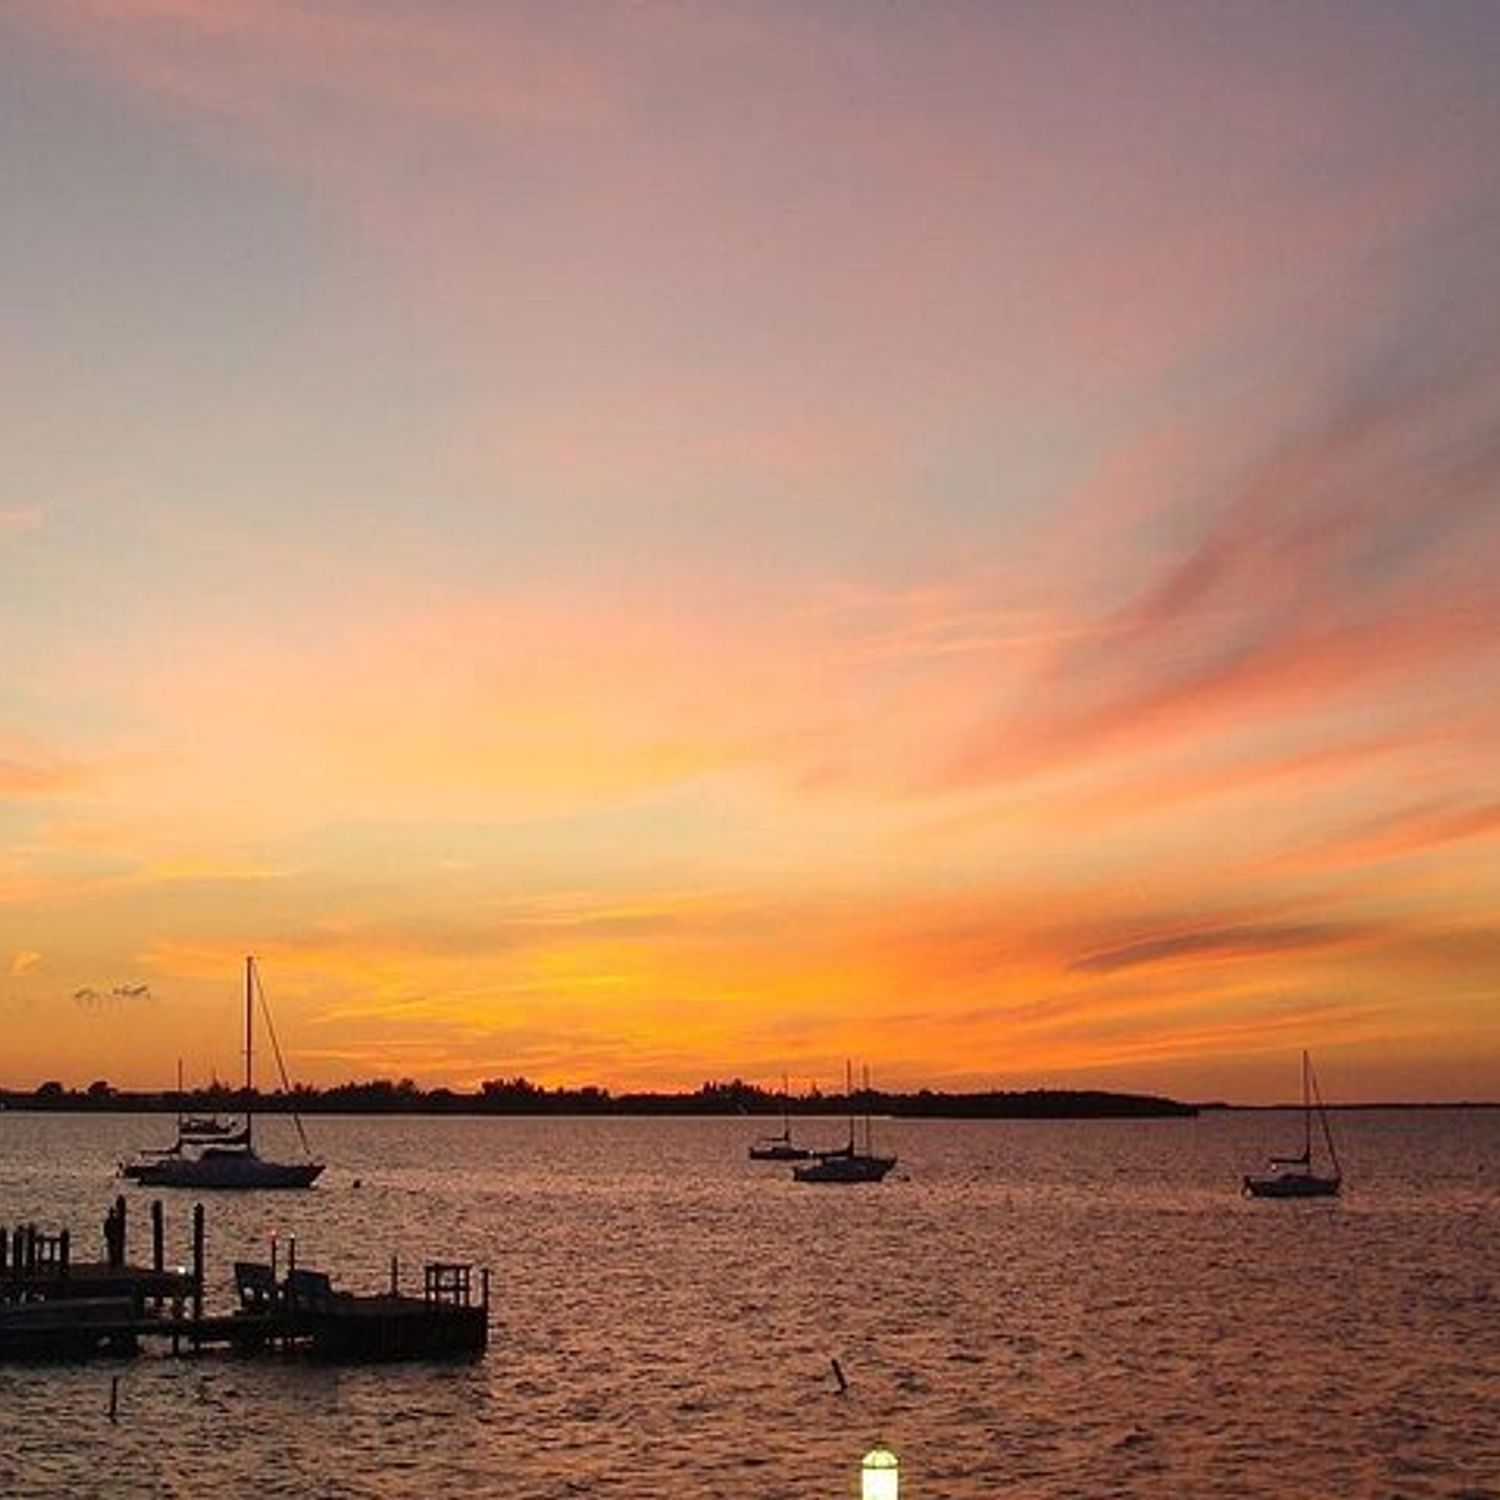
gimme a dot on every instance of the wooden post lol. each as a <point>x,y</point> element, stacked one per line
<point>197,1269</point>
<point>158,1245</point>
<point>484,1289</point>
<point>395,1277</point>
<point>124,1254</point>
<point>64,1244</point>
<point>4,1251</point>
<point>287,1302</point>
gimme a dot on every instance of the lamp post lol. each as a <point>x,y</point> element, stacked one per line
<point>879,1475</point>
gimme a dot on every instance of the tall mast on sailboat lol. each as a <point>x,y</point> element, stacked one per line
<point>249,1040</point>
<point>1306,1108</point>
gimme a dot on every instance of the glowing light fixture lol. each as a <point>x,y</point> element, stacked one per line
<point>879,1475</point>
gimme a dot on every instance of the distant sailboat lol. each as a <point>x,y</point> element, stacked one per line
<point>227,1160</point>
<point>1295,1176</point>
<point>192,1130</point>
<point>846,1164</point>
<point>780,1147</point>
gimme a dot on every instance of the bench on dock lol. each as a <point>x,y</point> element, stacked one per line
<point>312,1292</point>
<point>255,1284</point>
<point>301,1291</point>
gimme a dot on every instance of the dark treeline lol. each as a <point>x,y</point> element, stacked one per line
<point>1038,1104</point>
<point>519,1096</point>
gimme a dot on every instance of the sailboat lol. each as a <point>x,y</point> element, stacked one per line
<point>847,1163</point>
<point>1295,1176</point>
<point>192,1130</point>
<point>780,1147</point>
<point>228,1160</point>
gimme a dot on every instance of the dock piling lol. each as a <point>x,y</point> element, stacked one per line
<point>197,1263</point>
<point>158,1243</point>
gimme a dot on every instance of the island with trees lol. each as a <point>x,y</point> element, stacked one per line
<point>521,1096</point>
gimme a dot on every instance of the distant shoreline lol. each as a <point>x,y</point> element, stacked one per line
<point>520,1098</point>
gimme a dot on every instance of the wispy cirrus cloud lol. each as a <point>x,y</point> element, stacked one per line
<point>1250,941</point>
<point>1352,561</point>
<point>1399,833</point>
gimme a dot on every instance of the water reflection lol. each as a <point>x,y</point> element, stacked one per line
<point>1027,1308</point>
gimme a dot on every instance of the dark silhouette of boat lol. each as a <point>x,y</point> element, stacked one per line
<point>192,1131</point>
<point>780,1147</point>
<point>1296,1176</point>
<point>227,1160</point>
<point>847,1163</point>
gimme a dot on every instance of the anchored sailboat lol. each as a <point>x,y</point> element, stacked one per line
<point>780,1147</point>
<point>228,1161</point>
<point>1295,1176</point>
<point>847,1163</point>
<point>192,1130</point>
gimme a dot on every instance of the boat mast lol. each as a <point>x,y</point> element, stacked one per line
<point>1306,1109</point>
<point>249,1039</point>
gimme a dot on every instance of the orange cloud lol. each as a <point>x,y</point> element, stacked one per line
<point>36,777</point>
<point>1233,942</point>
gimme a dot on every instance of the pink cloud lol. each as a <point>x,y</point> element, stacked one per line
<point>21,520</point>
<point>277,63</point>
<point>1357,559</point>
<point>1400,833</point>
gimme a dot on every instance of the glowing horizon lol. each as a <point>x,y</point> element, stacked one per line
<point>637,545</point>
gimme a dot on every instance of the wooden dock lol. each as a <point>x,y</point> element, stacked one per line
<point>55,1308</point>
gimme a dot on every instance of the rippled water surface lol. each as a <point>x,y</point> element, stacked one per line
<point>1023,1310</point>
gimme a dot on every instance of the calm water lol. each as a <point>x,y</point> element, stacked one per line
<point>1025,1310</point>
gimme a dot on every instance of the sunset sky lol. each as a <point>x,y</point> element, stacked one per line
<point>645,542</point>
